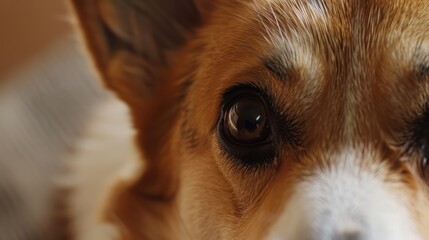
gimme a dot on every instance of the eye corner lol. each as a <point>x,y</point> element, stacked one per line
<point>416,141</point>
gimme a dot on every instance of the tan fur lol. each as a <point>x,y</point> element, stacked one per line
<point>352,81</point>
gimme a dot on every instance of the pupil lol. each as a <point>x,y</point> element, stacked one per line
<point>251,125</point>
<point>247,121</point>
<point>251,116</point>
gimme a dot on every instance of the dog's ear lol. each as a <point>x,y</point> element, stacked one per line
<point>133,41</point>
<point>134,44</point>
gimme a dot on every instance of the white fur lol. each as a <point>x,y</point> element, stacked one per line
<point>106,156</point>
<point>346,199</point>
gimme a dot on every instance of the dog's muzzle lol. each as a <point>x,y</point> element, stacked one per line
<point>345,202</point>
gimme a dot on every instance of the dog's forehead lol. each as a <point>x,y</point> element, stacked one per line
<point>355,58</point>
<point>337,7</point>
<point>350,35</point>
<point>335,22</point>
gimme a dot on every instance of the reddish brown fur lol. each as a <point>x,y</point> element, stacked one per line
<point>363,60</point>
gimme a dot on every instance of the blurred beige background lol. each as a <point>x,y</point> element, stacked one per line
<point>47,93</point>
<point>28,28</point>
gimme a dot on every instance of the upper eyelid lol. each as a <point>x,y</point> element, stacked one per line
<point>262,92</point>
<point>413,128</point>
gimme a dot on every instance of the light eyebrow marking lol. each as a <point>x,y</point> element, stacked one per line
<point>277,67</point>
<point>420,60</point>
<point>422,70</point>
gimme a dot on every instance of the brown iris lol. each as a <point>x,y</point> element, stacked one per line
<point>246,121</point>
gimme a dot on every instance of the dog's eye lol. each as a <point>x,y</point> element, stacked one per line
<point>424,149</point>
<point>419,143</point>
<point>245,127</point>
<point>246,121</point>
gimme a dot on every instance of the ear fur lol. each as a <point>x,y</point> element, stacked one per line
<point>133,44</point>
<point>133,41</point>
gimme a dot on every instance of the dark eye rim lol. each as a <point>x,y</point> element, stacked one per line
<point>414,141</point>
<point>255,154</point>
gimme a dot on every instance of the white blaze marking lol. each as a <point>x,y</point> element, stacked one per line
<point>345,199</point>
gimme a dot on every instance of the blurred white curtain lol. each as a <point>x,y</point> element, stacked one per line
<point>43,108</point>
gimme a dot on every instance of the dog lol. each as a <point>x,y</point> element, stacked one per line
<point>258,119</point>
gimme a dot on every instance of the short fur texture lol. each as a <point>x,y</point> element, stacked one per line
<point>350,76</point>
